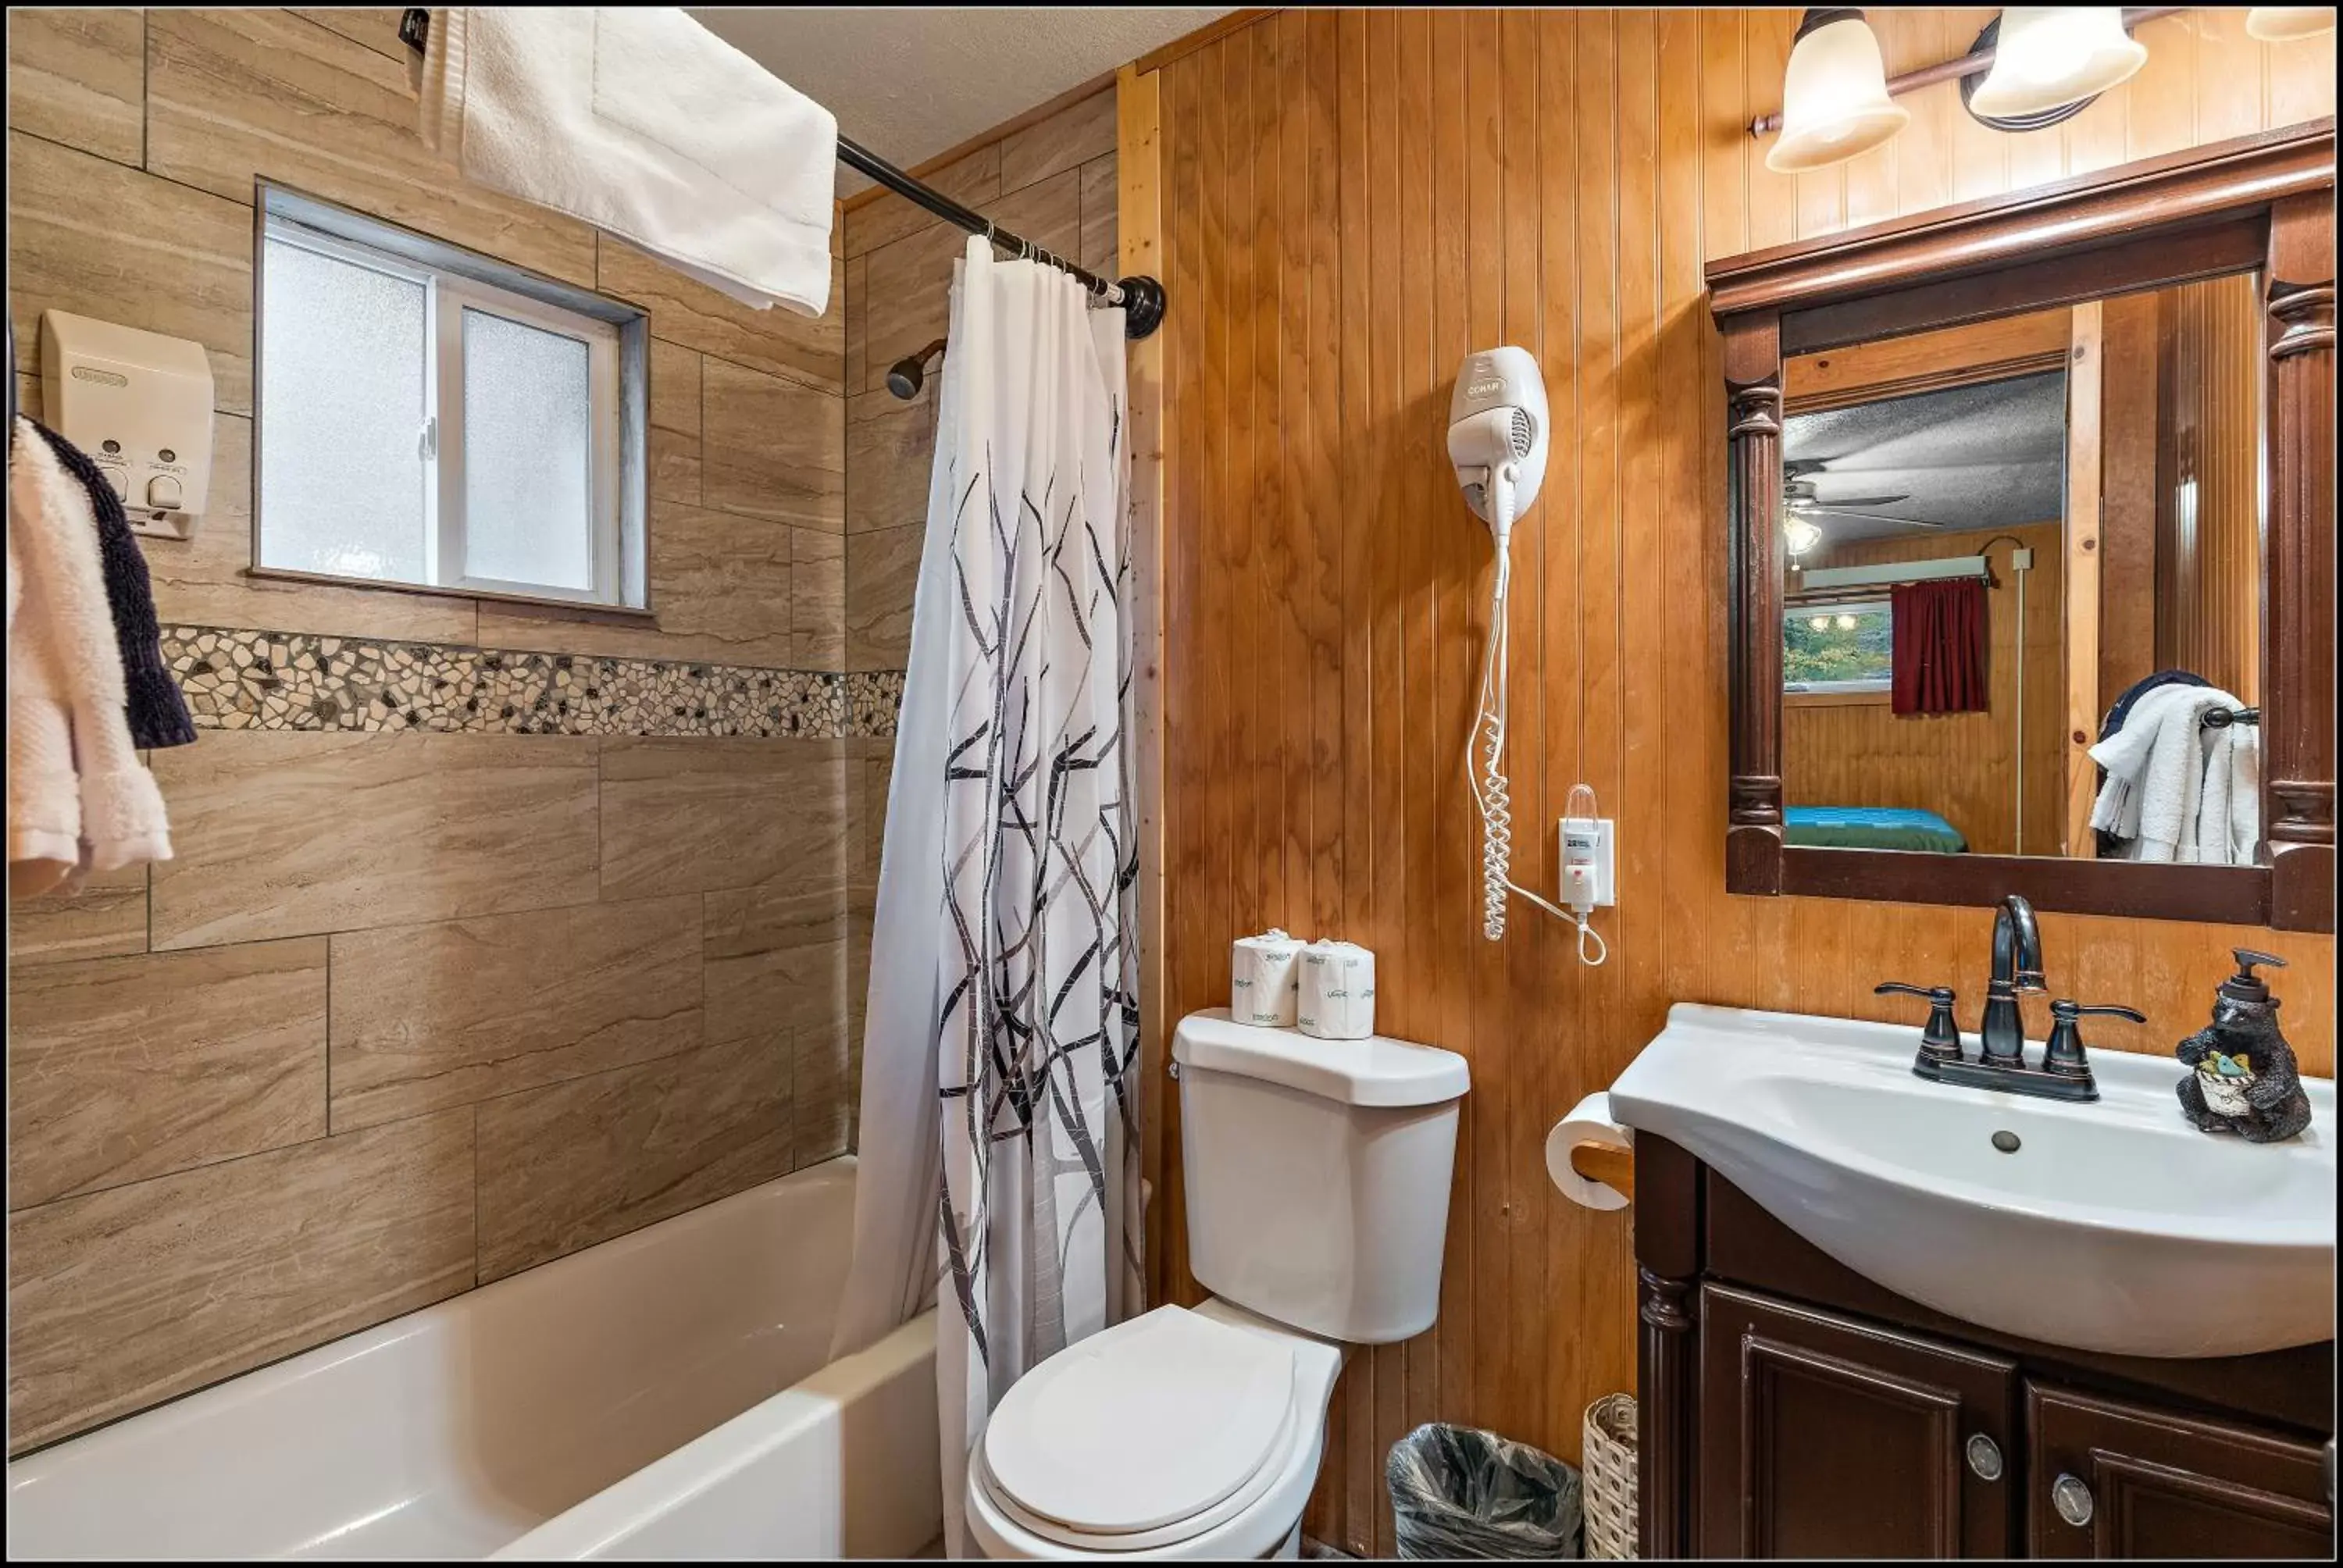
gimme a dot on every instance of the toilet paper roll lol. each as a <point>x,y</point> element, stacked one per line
<point>1263,972</point>
<point>1590,1122</point>
<point>1337,991</point>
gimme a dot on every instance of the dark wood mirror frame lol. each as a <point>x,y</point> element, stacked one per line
<point>2262,202</point>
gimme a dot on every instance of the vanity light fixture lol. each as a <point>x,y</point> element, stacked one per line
<point>2285,23</point>
<point>2049,61</point>
<point>1834,102</point>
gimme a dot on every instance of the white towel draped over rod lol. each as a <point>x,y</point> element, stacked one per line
<point>1141,299</point>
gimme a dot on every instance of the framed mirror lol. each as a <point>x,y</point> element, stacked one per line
<point>2031,509</point>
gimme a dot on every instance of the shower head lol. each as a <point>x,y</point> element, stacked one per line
<point>905,377</point>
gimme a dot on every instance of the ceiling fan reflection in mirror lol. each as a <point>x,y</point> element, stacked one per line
<point>1805,512</point>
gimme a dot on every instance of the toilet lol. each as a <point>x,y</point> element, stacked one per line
<point>1317,1179</point>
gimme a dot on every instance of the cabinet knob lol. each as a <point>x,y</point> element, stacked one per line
<point>1985,1457</point>
<point>2072,1499</point>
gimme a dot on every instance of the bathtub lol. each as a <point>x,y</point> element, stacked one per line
<point>662,1395</point>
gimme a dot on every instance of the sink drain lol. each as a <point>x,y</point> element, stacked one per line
<point>2005,1141</point>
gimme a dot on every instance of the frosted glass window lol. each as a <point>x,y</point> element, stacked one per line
<point>528,471</point>
<point>429,417</point>
<point>343,472</point>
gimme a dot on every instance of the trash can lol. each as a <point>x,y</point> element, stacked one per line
<point>1458,1492</point>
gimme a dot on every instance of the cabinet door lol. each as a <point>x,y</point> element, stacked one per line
<point>2112,1478</point>
<point>1825,1437</point>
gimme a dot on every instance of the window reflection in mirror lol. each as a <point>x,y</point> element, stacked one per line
<point>2013,544</point>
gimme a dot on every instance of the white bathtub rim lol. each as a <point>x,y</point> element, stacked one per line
<point>179,1409</point>
<point>673,1481</point>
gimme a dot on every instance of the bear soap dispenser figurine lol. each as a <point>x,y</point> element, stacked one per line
<point>2245,1080</point>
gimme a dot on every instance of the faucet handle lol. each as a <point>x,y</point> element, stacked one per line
<point>2064,1053</point>
<point>1940,1038</point>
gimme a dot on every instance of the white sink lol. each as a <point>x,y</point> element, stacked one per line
<point>2114,1226</point>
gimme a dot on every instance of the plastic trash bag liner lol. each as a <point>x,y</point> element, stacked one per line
<point>1458,1492</point>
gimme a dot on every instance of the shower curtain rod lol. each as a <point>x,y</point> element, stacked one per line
<point>1141,299</point>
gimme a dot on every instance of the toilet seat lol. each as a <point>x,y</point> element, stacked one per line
<point>1144,1435</point>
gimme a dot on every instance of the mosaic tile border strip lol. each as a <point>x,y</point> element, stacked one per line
<point>241,680</point>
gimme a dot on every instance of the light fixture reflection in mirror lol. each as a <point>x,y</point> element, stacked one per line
<point>2048,57</point>
<point>2285,23</point>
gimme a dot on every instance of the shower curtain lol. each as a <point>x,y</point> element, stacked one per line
<point>998,1136</point>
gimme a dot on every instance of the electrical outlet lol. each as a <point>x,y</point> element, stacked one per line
<point>1588,840</point>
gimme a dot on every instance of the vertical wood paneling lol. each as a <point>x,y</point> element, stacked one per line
<point>1351,202</point>
<point>2208,555</point>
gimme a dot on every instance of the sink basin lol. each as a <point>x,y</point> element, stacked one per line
<point>2113,1226</point>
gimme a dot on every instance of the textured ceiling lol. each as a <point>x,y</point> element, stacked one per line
<point>1992,456</point>
<point>908,82</point>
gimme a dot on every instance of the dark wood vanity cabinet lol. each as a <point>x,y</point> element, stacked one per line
<point>1821,1436</point>
<point>2150,1483</point>
<point>1790,1408</point>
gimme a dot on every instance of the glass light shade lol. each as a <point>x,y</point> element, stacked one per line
<point>2285,23</point>
<point>1834,102</point>
<point>1801,536</point>
<point>2051,56</point>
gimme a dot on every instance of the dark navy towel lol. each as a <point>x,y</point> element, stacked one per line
<point>154,704</point>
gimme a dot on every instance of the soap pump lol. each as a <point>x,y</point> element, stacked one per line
<point>2244,1080</point>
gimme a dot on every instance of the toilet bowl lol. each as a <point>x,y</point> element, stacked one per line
<point>1317,1179</point>
<point>1178,1435</point>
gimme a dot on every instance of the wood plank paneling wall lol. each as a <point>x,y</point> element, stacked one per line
<point>1350,202</point>
<point>1962,766</point>
<point>2209,555</point>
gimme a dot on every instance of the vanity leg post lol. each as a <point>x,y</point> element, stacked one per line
<point>1667,1350</point>
<point>1665,1416</point>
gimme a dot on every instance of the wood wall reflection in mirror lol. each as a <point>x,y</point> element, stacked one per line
<point>2031,513</point>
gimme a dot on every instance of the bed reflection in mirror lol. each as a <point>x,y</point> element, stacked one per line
<point>2022,609</point>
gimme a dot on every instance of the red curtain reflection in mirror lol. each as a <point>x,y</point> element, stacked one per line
<point>1939,647</point>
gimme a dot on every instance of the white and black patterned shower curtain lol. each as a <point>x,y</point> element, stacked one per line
<point>998,1136</point>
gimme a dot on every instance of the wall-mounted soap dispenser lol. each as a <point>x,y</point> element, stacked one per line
<point>140,405</point>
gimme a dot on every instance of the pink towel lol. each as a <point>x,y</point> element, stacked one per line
<point>78,797</point>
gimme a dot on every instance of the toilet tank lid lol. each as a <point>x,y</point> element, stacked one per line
<point>1374,1071</point>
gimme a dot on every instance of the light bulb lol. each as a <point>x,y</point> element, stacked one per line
<point>1820,622</point>
<point>1847,623</point>
<point>2285,23</point>
<point>1834,102</point>
<point>2048,57</point>
<point>1800,534</point>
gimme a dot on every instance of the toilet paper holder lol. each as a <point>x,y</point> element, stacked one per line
<point>1591,1158</point>
<point>1613,1168</point>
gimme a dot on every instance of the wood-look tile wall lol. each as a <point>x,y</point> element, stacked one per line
<point>408,1013</point>
<point>1350,202</point>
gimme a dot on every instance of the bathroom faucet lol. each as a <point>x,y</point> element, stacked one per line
<point>2065,1072</point>
<point>2016,967</point>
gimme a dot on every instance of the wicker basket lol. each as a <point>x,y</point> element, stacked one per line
<point>1610,1497</point>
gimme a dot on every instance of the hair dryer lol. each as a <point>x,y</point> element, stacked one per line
<point>1497,437</point>
<point>1498,440</point>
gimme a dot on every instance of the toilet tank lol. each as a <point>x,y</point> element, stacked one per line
<point>1317,1173</point>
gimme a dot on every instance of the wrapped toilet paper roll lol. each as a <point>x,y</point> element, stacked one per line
<point>1263,972</point>
<point>1338,990</point>
<point>1590,1122</point>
